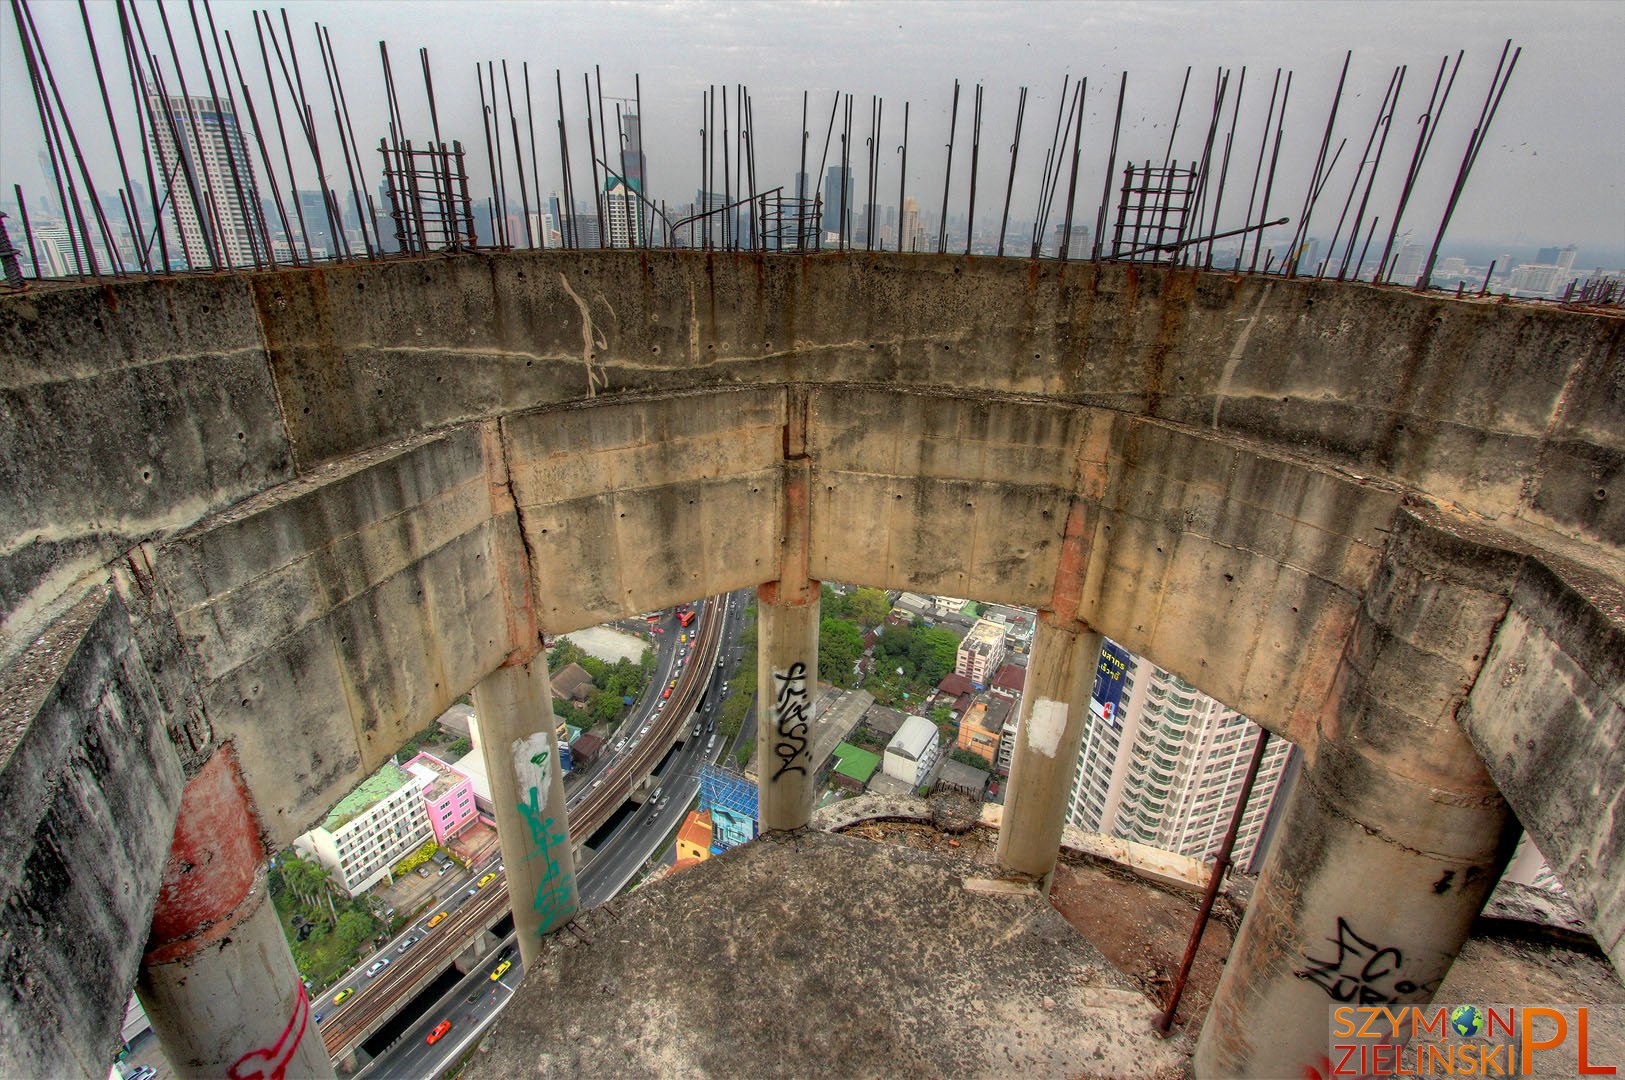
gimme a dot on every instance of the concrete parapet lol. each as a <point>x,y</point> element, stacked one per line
<point>91,786</point>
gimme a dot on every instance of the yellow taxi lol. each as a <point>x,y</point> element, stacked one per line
<point>340,997</point>
<point>502,969</point>
<point>438,919</point>
<point>484,881</point>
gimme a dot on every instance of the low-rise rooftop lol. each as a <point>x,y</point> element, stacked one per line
<point>389,779</point>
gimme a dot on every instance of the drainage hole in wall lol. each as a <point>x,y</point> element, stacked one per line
<point>1600,494</point>
<point>1230,577</point>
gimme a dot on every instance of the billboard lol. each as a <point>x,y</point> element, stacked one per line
<point>1107,697</point>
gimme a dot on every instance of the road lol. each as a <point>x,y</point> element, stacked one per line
<point>640,836</point>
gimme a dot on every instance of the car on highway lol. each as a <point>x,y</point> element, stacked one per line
<point>644,730</point>
<point>440,1030</point>
<point>666,693</point>
<point>340,997</point>
<point>407,943</point>
<point>320,1017</point>
<point>598,782</point>
<point>484,881</point>
<point>502,969</point>
<point>695,733</point>
<point>142,1072</point>
<point>377,965</point>
<point>438,919</point>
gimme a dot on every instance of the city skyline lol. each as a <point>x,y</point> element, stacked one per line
<point>1552,106</point>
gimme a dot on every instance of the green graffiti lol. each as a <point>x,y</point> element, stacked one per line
<point>555,895</point>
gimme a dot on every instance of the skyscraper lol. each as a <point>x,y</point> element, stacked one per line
<point>1162,763</point>
<point>213,201</point>
<point>912,237</point>
<point>834,204</point>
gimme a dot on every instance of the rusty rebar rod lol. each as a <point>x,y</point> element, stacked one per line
<point>1221,864</point>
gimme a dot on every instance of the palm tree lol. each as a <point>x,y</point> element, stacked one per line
<point>311,882</point>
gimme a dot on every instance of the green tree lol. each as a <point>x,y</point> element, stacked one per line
<point>839,646</point>
<point>742,754</point>
<point>940,650</point>
<point>353,928</point>
<point>734,711</point>
<point>942,714</point>
<point>831,604</point>
<point>868,606</point>
<point>966,757</point>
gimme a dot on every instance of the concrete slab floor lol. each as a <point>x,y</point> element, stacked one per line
<point>827,955</point>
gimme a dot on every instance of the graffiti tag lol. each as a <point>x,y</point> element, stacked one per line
<point>271,1062</point>
<point>1361,973</point>
<point>555,895</point>
<point>790,720</point>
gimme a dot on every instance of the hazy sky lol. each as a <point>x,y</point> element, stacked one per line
<point>1552,171</point>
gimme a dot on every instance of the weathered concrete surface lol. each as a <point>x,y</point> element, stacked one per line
<point>217,980</point>
<point>518,740</point>
<point>130,412</point>
<point>731,968</point>
<point>374,482</point>
<point>1049,735</point>
<point>91,785</point>
<point>335,615</point>
<point>1395,833</point>
<point>633,505</point>
<point>1549,720</point>
<point>1504,410</point>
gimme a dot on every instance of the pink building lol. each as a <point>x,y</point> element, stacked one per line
<point>448,795</point>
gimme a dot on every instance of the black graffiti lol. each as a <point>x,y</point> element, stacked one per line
<point>1361,973</point>
<point>790,720</point>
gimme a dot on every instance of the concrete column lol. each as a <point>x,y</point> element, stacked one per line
<point>1394,836</point>
<point>518,739</point>
<point>217,980</point>
<point>1049,736</point>
<point>786,680</point>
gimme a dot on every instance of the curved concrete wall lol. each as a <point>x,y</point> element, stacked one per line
<point>333,499</point>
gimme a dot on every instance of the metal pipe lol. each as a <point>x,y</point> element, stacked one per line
<point>1475,144</point>
<point>259,138</point>
<point>139,95</point>
<point>975,158</point>
<point>132,219</point>
<point>518,155</point>
<point>947,174</point>
<point>902,180</point>
<point>1269,181</point>
<point>1258,169</point>
<point>1072,183</point>
<point>28,228</point>
<point>1010,184</point>
<point>1221,863</point>
<point>1371,178</point>
<point>54,149</point>
<point>1428,123</point>
<point>1290,266</point>
<point>1111,164</point>
<point>1169,155</point>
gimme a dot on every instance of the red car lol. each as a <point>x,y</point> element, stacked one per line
<point>439,1030</point>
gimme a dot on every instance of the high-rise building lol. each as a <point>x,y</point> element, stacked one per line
<point>1408,264</point>
<point>313,207</point>
<point>636,164</point>
<point>834,203</point>
<point>624,213</point>
<point>981,652</point>
<point>1558,256</point>
<point>202,152</point>
<point>371,829</point>
<point>1162,763</point>
<point>913,233</point>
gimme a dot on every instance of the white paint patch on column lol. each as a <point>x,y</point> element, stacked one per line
<point>531,756</point>
<point>1045,726</point>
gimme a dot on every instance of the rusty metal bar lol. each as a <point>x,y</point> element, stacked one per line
<point>1221,863</point>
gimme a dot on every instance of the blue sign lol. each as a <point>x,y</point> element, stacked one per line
<point>1107,696</point>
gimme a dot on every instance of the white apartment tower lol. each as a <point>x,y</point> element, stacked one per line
<point>981,653</point>
<point>1162,763</point>
<point>212,160</point>
<point>623,213</point>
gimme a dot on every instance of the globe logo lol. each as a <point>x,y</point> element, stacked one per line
<point>1466,1020</point>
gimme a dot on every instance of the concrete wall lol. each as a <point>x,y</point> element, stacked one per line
<point>335,498</point>
<point>91,785</point>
